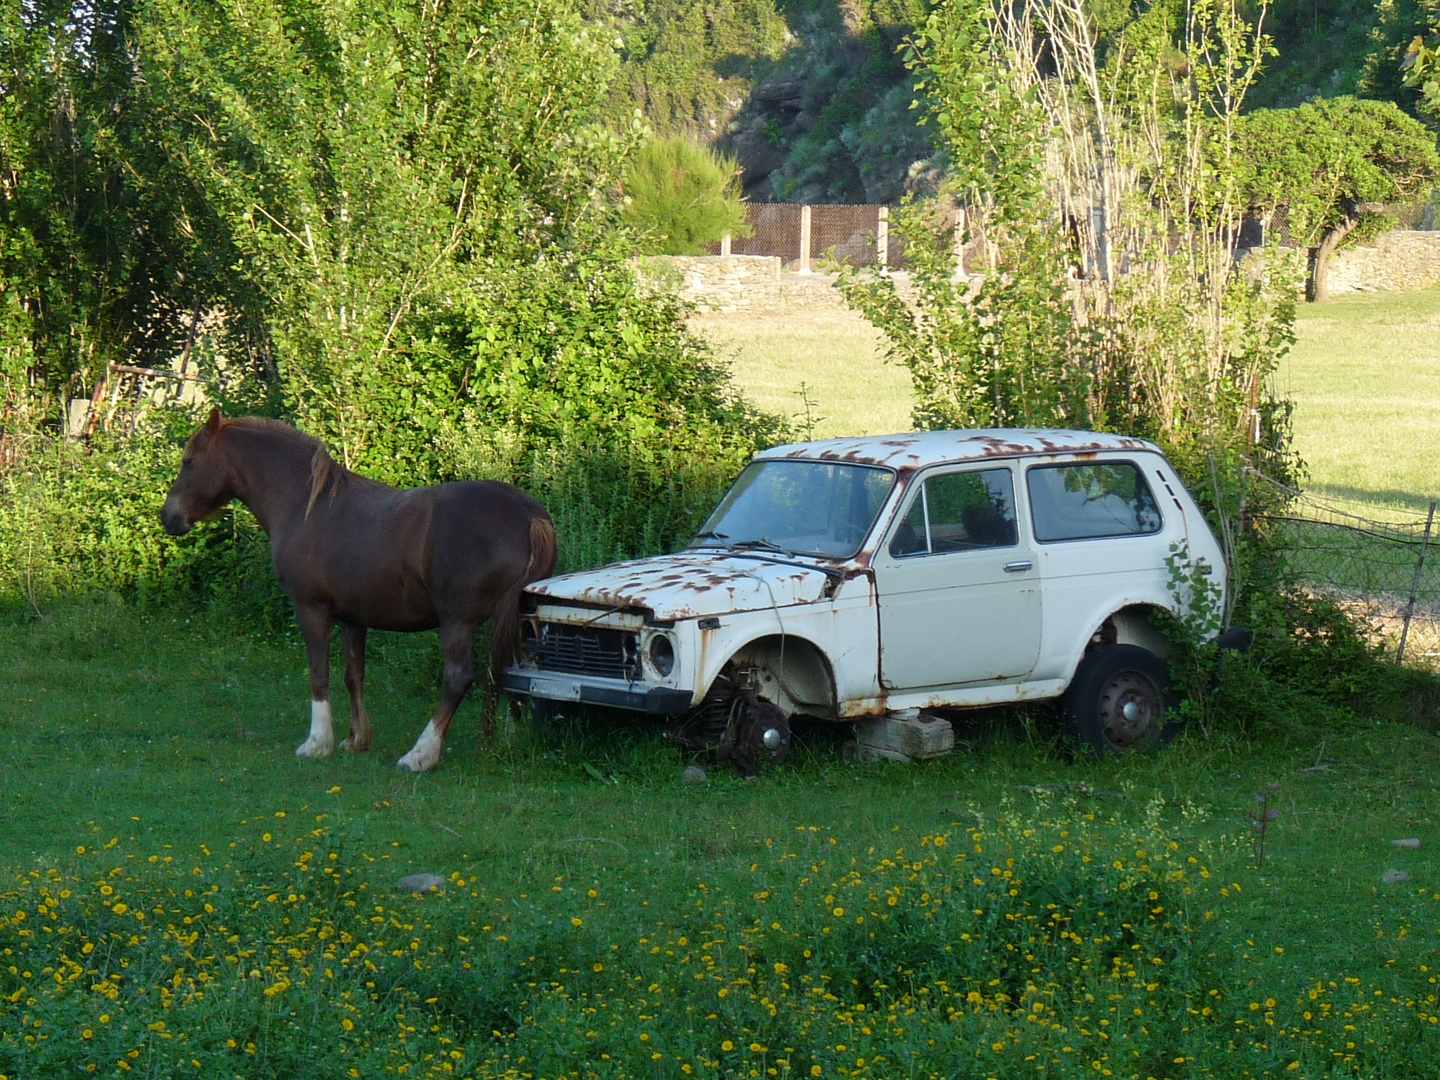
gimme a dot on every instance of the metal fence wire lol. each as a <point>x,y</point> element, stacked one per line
<point>774,230</point>
<point>1386,573</point>
<point>845,233</point>
<point>842,232</point>
<point>849,233</point>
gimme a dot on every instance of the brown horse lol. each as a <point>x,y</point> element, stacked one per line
<point>363,554</point>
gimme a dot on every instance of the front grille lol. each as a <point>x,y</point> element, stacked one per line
<point>585,650</point>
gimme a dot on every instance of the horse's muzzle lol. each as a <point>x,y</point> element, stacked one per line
<point>174,521</point>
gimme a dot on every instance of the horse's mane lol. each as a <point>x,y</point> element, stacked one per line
<point>325,471</point>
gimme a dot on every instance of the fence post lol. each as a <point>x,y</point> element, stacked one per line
<point>725,245</point>
<point>804,240</point>
<point>1415,584</point>
<point>882,236</point>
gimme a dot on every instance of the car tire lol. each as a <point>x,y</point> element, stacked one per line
<point>1121,701</point>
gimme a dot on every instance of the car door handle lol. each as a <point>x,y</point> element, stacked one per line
<point>1019,566</point>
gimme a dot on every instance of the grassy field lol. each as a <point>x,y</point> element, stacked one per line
<point>832,357</point>
<point>1365,378</point>
<point>1364,375</point>
<point>181,896</point>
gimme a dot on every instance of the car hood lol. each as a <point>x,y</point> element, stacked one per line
<point>691,584</point>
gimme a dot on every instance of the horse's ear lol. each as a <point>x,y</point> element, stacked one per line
<point>213,423</point>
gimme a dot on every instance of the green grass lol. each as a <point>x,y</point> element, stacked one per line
<point>832,357</point>
<point>1364,375</point>
<point>174,882</point>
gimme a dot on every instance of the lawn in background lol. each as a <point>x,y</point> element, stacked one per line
<point>181,896</point>
<point>831,356</point>
<point>1364,375</point>
<point>1365,378</point>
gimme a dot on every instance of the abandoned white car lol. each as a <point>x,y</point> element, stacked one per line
<point>869,581</point>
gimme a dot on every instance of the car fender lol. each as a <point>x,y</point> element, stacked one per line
<point>794,670</point>
<point>1133,622</point>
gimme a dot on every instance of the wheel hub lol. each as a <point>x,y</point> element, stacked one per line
<point>1129,709</point>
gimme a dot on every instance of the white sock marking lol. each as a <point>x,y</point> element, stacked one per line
<point>322,732</point>
<point>425,755</point>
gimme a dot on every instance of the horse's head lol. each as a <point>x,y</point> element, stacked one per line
<point>204,484</point>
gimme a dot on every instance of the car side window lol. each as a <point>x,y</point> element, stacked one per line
<point>1083,502</point>
<point>959,511</point>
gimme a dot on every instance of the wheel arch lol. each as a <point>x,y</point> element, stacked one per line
<point>793,672</point>
<point>1139,623</point>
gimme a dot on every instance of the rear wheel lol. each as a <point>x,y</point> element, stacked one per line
<point>1120,701</point>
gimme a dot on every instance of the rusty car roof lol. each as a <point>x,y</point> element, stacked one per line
<point>918,449</point>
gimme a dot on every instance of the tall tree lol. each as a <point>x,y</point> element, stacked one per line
<point>98,238</point>
<point>368,160</point>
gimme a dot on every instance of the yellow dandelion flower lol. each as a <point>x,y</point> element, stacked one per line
<point>727,1046</point>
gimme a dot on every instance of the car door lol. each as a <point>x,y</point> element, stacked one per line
<point>957,584</point>
<point>1101,538</point>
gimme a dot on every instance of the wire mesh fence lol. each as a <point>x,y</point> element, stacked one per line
<point>806,237</point>
<point>1385,573</point>
<point>774,230</point>
<point>859,234</point>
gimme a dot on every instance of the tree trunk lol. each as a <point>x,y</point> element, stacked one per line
<point>1319,290</point>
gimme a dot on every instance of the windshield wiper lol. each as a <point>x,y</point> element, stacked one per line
<point>761,545</point>
<point>710,536</point>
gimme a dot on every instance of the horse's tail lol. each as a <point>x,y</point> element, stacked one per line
<point>505,639</point>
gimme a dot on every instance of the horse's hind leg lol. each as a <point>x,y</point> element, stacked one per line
<point>457,643</point>
<point>315,625</point>
<point>353,635</point>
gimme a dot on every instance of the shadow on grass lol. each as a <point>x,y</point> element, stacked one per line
<point>1380,500</point>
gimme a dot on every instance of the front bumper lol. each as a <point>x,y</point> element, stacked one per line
<point>615,693</point>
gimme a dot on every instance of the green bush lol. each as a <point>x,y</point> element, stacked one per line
<point>78,518</point>
<point>683,196</point>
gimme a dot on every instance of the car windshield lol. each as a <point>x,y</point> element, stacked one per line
<point>792,507</point>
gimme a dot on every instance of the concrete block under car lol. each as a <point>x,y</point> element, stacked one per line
<point>908,735</point>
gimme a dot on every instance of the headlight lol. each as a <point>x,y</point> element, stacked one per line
<point>662,654</point>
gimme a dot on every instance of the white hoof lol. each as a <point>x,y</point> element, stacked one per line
<point>425,754</point>
<point>322,732</point>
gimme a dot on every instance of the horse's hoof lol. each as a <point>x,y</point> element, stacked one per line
<point>350,746</point>
<point>313,748</point>
<point>425,754</point>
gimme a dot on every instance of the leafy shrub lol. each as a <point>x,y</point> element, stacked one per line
<point>77,518</point>
<point>684,196</point>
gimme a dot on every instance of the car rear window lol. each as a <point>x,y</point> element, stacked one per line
<point>1085,502</point>
<point>959,512</point>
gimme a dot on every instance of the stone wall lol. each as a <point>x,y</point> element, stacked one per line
<point>1394,262</point>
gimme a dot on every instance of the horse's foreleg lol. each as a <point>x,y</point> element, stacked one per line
<point>353,635</point>
<point>315,625</point>
<point>457,642</point>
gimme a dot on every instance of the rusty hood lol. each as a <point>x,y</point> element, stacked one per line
<point>690,584</point>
